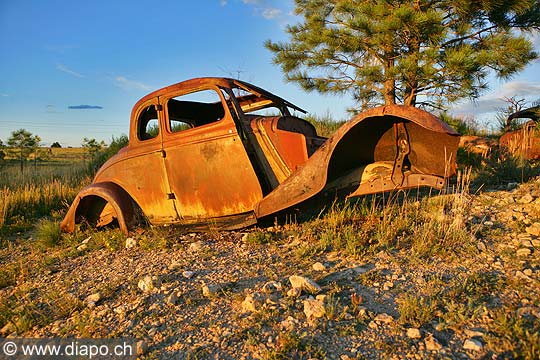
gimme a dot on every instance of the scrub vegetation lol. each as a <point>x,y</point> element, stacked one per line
<point>458,264</point>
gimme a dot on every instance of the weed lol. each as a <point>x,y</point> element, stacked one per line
<point>259,237</point>
<point>48,234</point>
<point>416,310</point>
<point>518,335</point>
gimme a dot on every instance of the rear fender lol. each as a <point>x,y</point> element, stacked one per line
<point>382,149</point>
<point>100,204</point>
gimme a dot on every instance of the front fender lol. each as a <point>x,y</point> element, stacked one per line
<point>109,192</point>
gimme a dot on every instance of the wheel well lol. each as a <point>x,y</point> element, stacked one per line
<point>106,204</point>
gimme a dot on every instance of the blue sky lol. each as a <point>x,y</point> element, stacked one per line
<point>74,69</point>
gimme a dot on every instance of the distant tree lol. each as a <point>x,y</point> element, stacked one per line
<point>92,146</point>
<point>2,153</point>
<point>419,53</point>
<point>56,145</point>
<point>22,143</point>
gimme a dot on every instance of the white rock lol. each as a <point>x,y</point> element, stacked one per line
<point>196,246</point>
<point>294,292</point>
<point>210,290</point>
<point>304,284</point>
<point>523,252</point>
<point>432,344</point>
<point>318,266</point>
<point>272,287</point>
<point>188,274</point>
<point>82,247</point>
<point>91,300</point>
<point>534,229</point>
<point>149,283</point>
<point>252,302</point>
<point>384,318</point>
<point>130,243</point>
<point>473,344</point>
<point>314,309</point>
<point>414,333</point>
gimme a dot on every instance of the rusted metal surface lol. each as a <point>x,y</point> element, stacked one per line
<point>525,141</point>
<point>245,155</point>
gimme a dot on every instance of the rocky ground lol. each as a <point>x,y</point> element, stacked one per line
<point>231,295</point>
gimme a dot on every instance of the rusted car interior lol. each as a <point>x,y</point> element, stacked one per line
<point>227,153</point>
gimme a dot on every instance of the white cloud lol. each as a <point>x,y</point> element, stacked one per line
<point>264,9</point>
<point>126,84</point>
<point>491,102</point>
<point>271,13</point>
<point>65,69</point>
<point>223,2</point>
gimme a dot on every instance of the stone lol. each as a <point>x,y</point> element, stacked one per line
<point>82,247</point>
<point>272,287</point>
<point>188,274</point>
<point>383,318</point>
<point>318,266</point>
<point>432,344</point>
<point>304,284</point>
<point>414,333</point>
<point>294,292</point>
<point>523,252</point>
<point>91,300</point>
<point>314,309</point>
<point>172,299</point>
<point>149,283</point>
<point>131,243</point>
<point>527,199</point>
<point>210,290</point>
<point>196,246</point>
<point>252,302</point>
<point>8,329</point>
<point>388,285</point>
<point>473,344</point>
<point>142,347</point>
<point>534,229</point>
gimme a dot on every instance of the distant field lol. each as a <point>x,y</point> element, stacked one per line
<point>43,188</point>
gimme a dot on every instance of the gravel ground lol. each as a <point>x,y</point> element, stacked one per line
<point>220,295</point>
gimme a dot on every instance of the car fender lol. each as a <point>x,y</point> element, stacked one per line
<point>111,193</point>
<point>433,147</point>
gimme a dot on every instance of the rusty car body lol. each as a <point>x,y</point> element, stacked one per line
<point>224,152</point>
<point>524,142</point>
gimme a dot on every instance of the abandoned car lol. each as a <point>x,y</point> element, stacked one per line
<point>223,152</point>
<point>524,141</point>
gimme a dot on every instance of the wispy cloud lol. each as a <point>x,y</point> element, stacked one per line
<point>264,9</point>
<point>67,70</point>
<point>4,95</point>
<point>127,84</point>
<point>271,13</point>
<point>223,2</point>
<point>84,107</point>
<point>491,102</point>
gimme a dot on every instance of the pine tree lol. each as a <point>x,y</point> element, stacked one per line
<point>420,53</point>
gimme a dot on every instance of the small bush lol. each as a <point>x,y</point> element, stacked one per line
<point>48,234</point>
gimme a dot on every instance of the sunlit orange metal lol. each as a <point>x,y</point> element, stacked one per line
<point>525,141</point>
<point>245,166</point>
